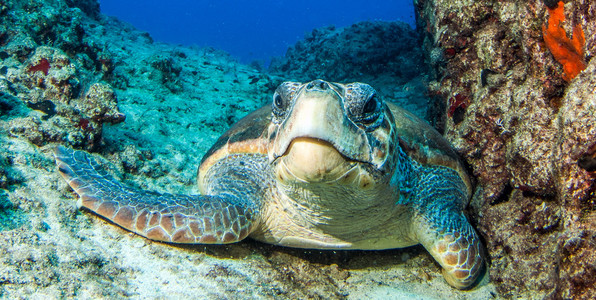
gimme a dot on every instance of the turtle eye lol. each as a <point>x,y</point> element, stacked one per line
<point>363,106</point>
<point>278,107</point>
<point>278,101</point>
<point>370,111</point>
<point>370,106</point>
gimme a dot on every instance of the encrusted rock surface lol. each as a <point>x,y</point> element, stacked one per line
<point>148,112</point>
<point>528,135</point>
<point>362,51</point>
<point>576,167</point>
<point>386,55</point>
<point>69,75</point>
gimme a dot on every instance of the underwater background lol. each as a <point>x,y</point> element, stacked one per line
<point>249,30</point>
<point>510,84</point>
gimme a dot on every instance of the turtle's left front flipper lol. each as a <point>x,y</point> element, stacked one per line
<point>204,219</point>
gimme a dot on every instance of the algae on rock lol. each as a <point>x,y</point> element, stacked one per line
<point>114,95</point>
<point>523,134</point>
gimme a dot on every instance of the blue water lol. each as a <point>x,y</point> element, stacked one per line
<point>249,29</point>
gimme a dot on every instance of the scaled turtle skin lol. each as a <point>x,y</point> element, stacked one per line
<point>326,166</point>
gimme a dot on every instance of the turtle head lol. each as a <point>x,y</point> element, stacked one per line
<point>325,132</point>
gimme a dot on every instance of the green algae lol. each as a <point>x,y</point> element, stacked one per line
<point>10,217</point>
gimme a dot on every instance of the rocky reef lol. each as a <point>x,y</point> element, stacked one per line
<point>148,112</point>
<point>364,51</point>
<point>509,83</point>
<point>514,87</point>
<point>386,55</point>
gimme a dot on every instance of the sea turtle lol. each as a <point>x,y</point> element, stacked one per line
<point>326,166</point>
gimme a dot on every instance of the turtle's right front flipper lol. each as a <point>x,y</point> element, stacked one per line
<point>204,219</point>
<point>442,228</point>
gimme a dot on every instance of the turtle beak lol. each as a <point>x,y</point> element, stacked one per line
<point>318,115</point>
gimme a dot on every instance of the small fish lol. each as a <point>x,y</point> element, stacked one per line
<point>47,107</point>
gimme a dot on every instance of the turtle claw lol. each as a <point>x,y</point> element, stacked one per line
<point>456,247</point>
<point>460,258</point>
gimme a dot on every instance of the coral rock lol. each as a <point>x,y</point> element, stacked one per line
<point>100,104</point>
<point>528,137</point>
<point>355,53</point>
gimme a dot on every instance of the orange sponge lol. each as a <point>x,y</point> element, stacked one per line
<point>567,51</point>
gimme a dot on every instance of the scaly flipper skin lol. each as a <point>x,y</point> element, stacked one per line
<point>443,230</point>
<point>204,219</point>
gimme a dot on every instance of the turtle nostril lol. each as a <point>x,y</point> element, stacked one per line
<point>323,85</point>
<point>317,85</point>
